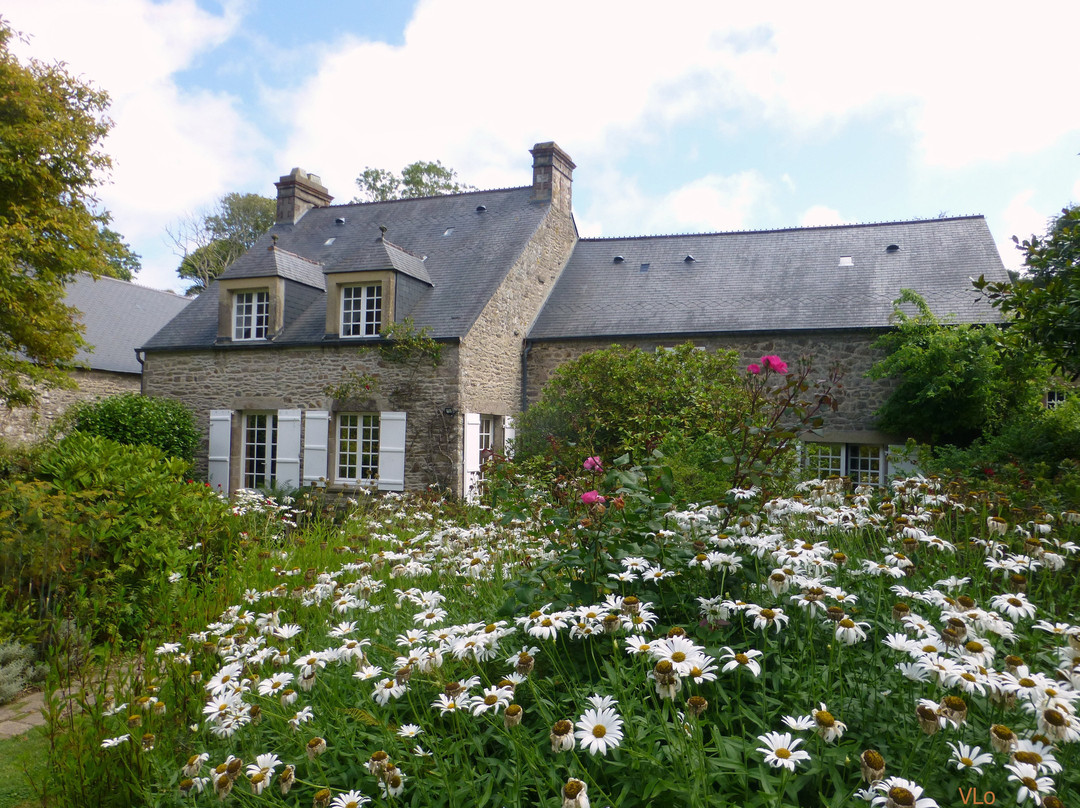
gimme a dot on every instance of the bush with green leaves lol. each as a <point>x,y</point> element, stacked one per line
<point>134,420</point>
<point>98,529</point>
<point>954,382</point>
<point>17,670</point>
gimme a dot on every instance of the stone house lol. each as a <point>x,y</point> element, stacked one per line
<point>281,356</point>
<point>117,318</point>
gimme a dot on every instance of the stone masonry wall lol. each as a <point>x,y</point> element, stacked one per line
<point>29,424</point>
<point>295,377</point>
<point>861,396</point>
<point>491,351</point>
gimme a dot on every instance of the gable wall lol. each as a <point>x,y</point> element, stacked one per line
<point>295,377</point>
<point>853,420</point>
<point>491,351</point>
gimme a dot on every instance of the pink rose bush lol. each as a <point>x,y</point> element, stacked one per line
<point>593,464</point>
<point>592,498</point>
<point>770,362</point>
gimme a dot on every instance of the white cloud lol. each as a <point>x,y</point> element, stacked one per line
<point>172,150</point>
<point>821,215</point>
<point>1021,219</point>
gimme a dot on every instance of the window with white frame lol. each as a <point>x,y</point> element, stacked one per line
<point>487,442</point>
<point>260,449</point>
<point>1055,398</point>
<point>251,314</point>
<point>361,310</point>
<point>357,447</point>
<point>862,463</point>
<point>824,460</point>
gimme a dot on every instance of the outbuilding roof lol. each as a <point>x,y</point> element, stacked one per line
<point>118,317</point>
<point>810,278</point>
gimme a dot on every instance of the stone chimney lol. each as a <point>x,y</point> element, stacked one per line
<point>297,193</point>
<point>553,171</point>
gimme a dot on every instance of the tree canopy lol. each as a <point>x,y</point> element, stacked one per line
<point>954,382</point>
<point>51,226</point>
<point>1043,305</point>
<point>213,240</point>
<point>416,179</point>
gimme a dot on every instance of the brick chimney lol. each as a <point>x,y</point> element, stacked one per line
<point>553,172</point>
<point>297,193</point>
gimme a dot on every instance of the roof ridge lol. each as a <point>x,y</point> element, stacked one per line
<point>132,283</point>
<point>387,242</point>
<point>787,229</point>
<point>433,196</point>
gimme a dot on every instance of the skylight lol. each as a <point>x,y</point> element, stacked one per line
<point>846,261</point>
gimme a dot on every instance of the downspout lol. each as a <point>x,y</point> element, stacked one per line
<point>142,367</point>
<point>525,374</point>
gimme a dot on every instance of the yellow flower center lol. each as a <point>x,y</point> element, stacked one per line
<point>847,622</point>
<point>1054,717</point>
<point>824,718</point>
<point>1030,758</point>
<point>783,752</point>
<point>599,731</point>
<point>490,700</point>
<point>967,761</point>
<point>901,796</point>
<point>1026,682</point>
<point>678,656</point>
<point>742,659</point>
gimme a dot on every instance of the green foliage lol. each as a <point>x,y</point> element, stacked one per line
<point>953,382</point>
<point>209,243</point>
<point>51,125</point>
<point>1044,304</point>
<point>417,179</point>
<point>17,670</point>
<point>95,534</point>
<point>1035,452</point>
<point>134,419</point>
<point>620,399</point>
<point>404,343</point>
<point>352,385</point>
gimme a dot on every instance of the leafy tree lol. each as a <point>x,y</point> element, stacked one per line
<point>51,228</point>
<point>416,179</point>
<point>1044,304</point>
<point>212,241</point>
<point>124,262</point>
<point>953,382</point>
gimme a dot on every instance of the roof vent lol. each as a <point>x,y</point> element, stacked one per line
<point>689,259</point>
<point>328,242</point>
<point>644,267</point>
<point>893,248</point>
<point>846,261</point>
<point>481,208</point>
<point>618,259</point>
<point>339,220</point>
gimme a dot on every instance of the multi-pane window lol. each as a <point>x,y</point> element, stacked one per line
<point>361,310</point>
<point>1055,398</point>
<point>357,448</point>
<point>824,459</point>
<point>251,315</point>
<point>864,464</point>
<point>260,449</point>
<point>487,441</point>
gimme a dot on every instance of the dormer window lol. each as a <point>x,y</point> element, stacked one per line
<point>251,315</point>
<point>361,310</point>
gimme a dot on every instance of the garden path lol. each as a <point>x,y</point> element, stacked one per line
<point>22,715</point>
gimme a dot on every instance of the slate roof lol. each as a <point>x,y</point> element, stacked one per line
<point>767,281</point>
<point>118,317</point>
<point>462,253</point>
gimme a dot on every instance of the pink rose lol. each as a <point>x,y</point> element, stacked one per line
<point>774,363</point>
<point>754,368</point>
<point>592,497</point>
<point>593,464</point>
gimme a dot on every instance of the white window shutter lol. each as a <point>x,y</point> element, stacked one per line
<point>509,434</point>
<point>316,441</point>
<point>392,451</point>
<point>471,458</point>
<point>217,465</point>
<point>288,448</point>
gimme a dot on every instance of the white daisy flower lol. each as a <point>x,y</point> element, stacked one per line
<point>779,750</point>
<point>599,730</point>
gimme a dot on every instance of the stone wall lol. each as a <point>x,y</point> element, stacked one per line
<point>491,351</point>
<point>29,424</point>
<point>853,421</point>
<point>278,377</point>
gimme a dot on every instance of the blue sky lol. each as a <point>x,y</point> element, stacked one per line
<point>686,117</point>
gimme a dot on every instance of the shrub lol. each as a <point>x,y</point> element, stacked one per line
<point>96,533</point>
<point>17,670</point>
<point>134,420</point>
<point>953,382</point>
<point>620,400</point>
